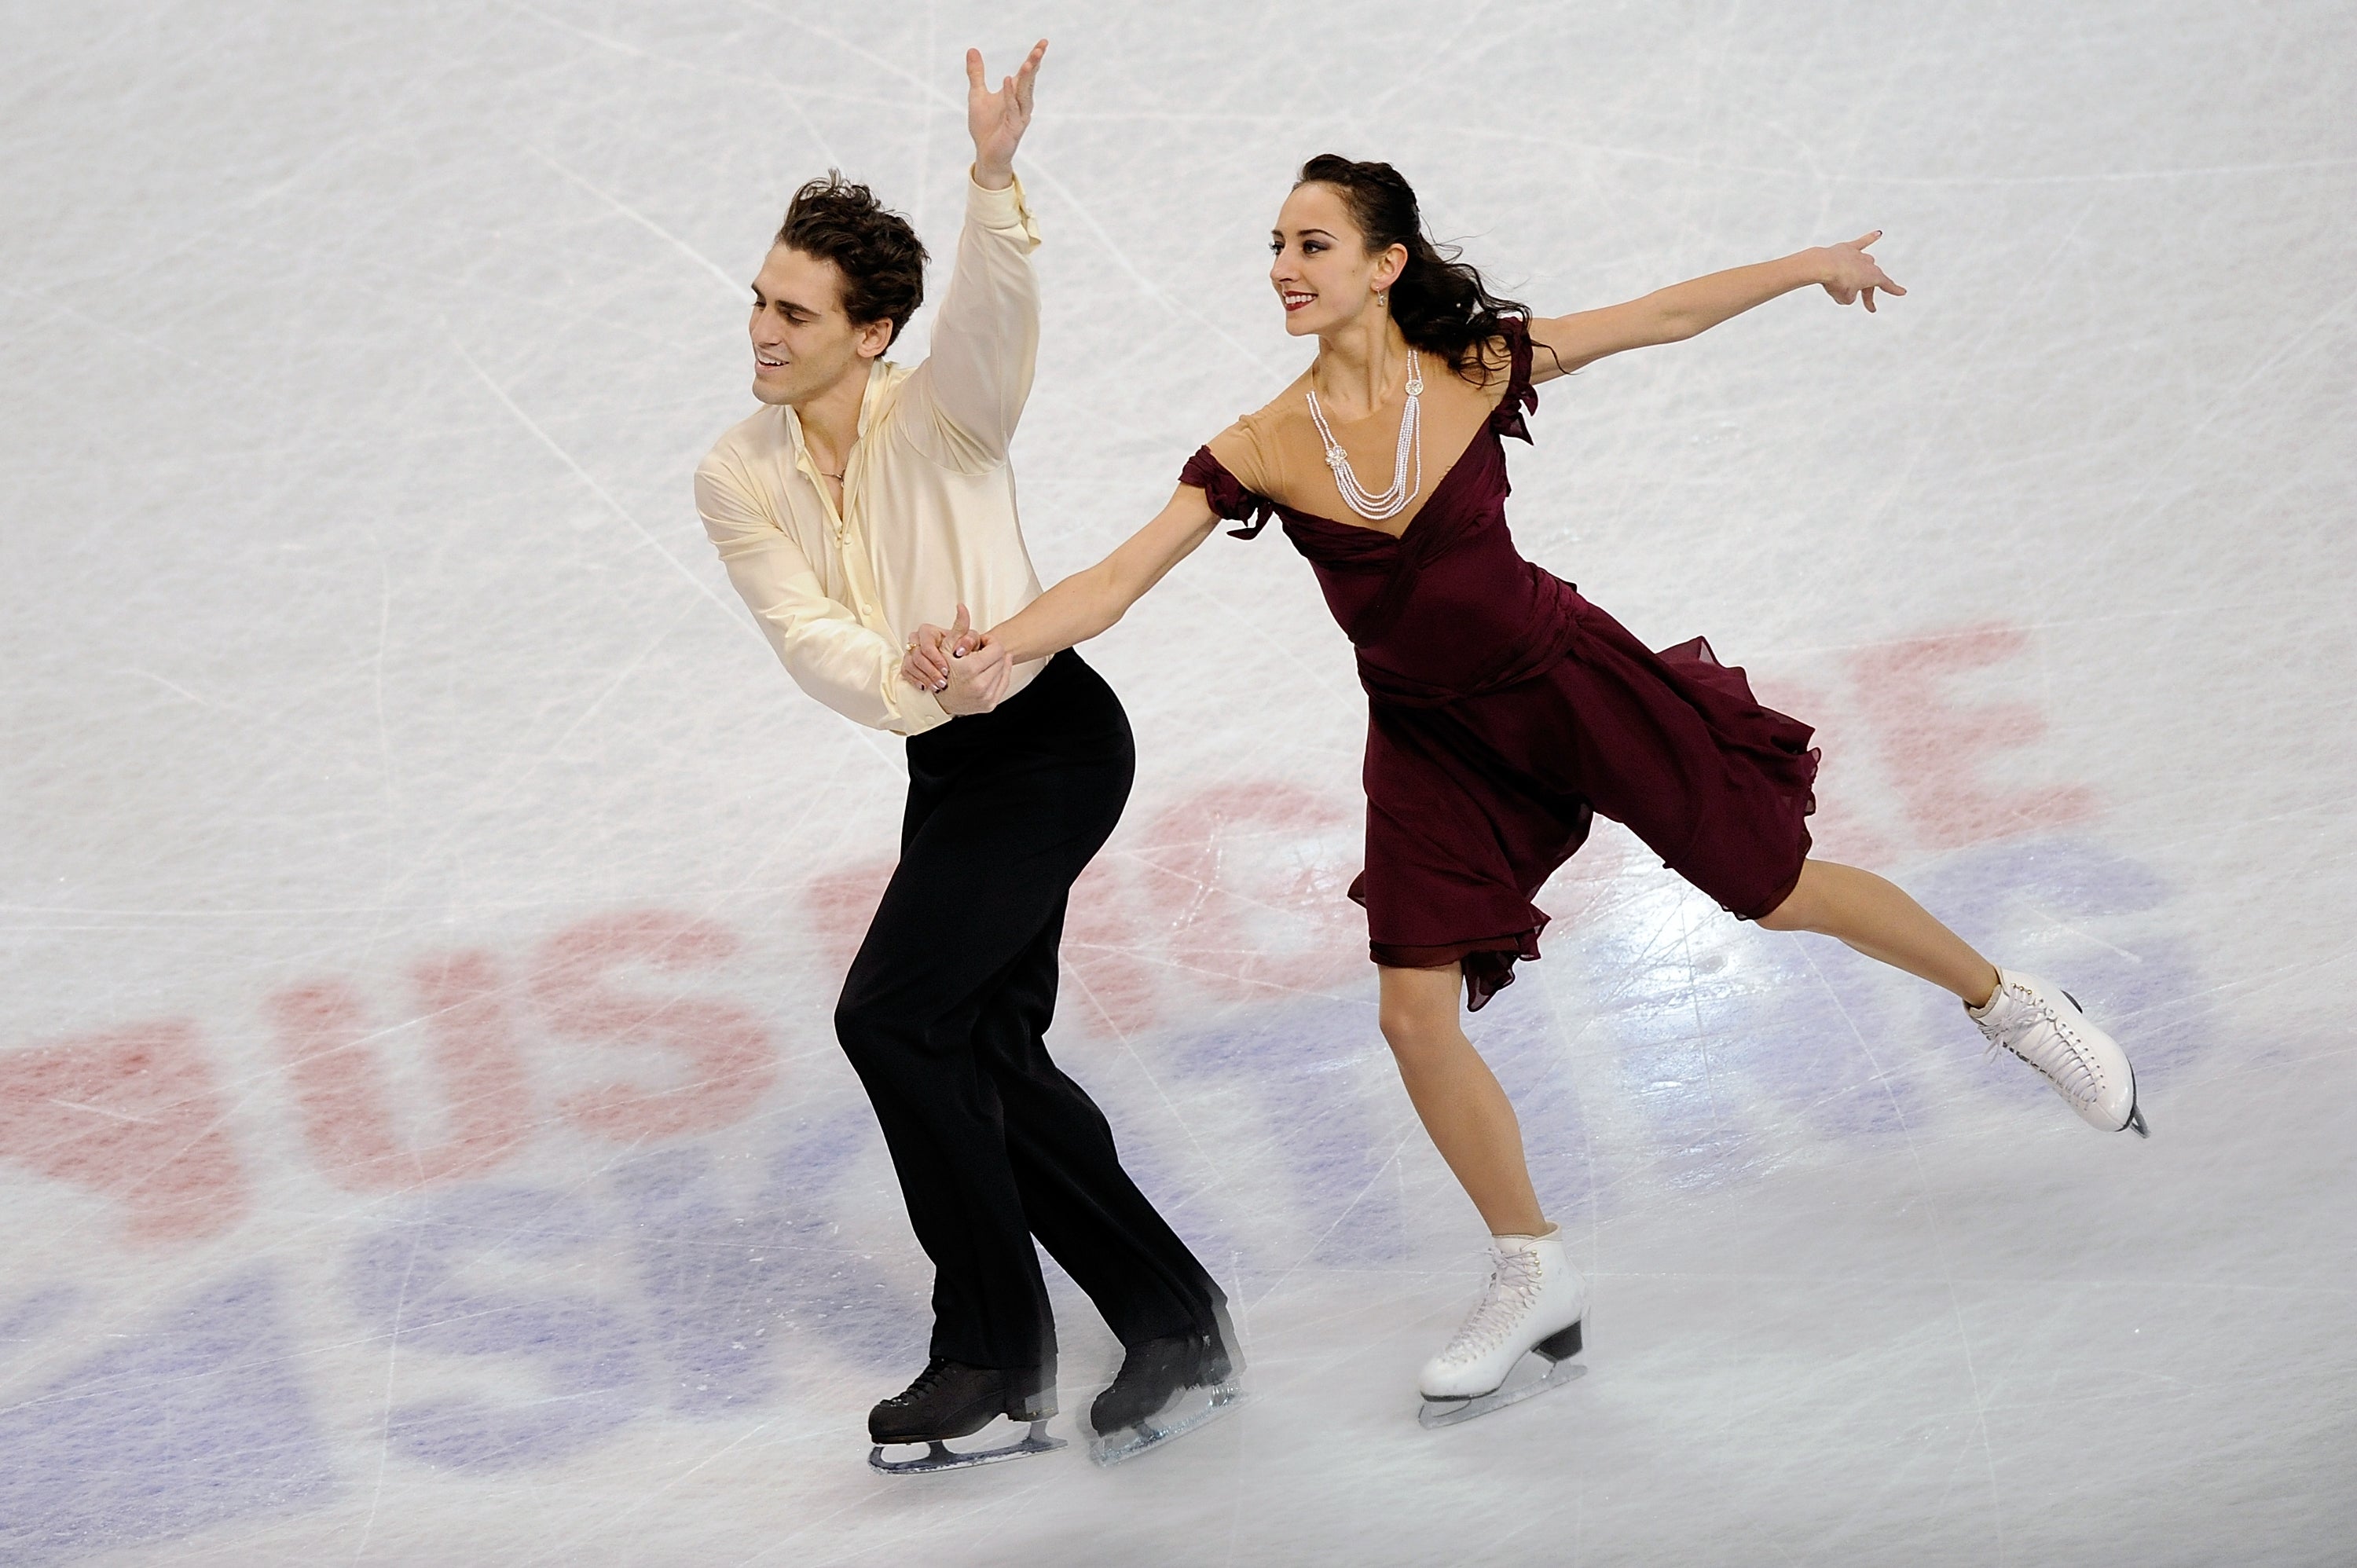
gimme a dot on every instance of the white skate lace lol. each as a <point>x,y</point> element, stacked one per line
<point>2073,1069</point>
<point>1505,1301</point>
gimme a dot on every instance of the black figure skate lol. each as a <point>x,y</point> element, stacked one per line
<point>949,1400</point>
<point>1166,1388</point>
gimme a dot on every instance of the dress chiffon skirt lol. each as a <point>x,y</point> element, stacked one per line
<point>1473,802</point>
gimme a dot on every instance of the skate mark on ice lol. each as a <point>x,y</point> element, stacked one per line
<point>1939,1228</point>
<point>735,286</point>
<point>598,489</point>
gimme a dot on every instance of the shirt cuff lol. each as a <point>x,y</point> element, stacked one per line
<point>1001,209</point>
<point>921,710</point>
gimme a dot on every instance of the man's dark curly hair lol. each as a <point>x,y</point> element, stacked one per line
<point>882,265</point>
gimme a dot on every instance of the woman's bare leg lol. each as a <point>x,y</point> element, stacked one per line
<point>1469,1116</point>
<point>1881,921</point>
<point>1472,1121</point>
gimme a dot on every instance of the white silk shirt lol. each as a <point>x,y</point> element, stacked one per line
<point>928,522</point>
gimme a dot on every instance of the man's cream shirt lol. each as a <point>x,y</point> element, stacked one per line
<point>928,500</point>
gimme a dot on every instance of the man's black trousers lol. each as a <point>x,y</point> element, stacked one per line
<point>944,1015</point>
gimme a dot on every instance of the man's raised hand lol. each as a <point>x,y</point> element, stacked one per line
<point>1850,273</point>
<point>997,120</point>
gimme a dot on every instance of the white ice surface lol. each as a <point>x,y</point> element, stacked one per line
<point>354,364</point>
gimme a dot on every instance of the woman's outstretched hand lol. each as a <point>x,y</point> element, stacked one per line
<point>1850,274</point>
<point>997,120</point>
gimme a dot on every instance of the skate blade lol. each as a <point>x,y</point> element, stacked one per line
<point>1130,1442</point>
<point>1449,1412</point>
<point>939,1456</point>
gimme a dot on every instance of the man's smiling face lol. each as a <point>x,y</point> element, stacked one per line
<point>803,342</point>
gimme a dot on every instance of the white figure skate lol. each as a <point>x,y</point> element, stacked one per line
<point>1535,1302</point>
<point>2045,1027</point>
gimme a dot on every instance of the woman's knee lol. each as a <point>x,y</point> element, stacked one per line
<point>1416,1028</point>
<point>1417,1012</point>
<point>1409,1035</point>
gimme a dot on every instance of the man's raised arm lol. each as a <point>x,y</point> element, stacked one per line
<point>987,339</point>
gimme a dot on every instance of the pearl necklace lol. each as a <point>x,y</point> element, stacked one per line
<point>1408,462</point>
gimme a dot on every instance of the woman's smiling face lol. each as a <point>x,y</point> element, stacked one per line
<point>1322,273</point>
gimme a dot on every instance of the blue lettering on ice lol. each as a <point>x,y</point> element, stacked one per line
<point>196,1419</point>
<point>711,1278</point>
<point>580,1355</point>
<point>1302,1061</point>
<point>2138,977</point>
<point>824,1280</point>
<point>727,1280</point>
<point>1718,1056</point>
<point>33,1316</point>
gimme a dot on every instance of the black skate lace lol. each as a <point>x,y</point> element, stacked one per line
<point>935,1371</point>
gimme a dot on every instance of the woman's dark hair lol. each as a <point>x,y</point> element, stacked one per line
<point>1440,302</point>
<point>882,265</point>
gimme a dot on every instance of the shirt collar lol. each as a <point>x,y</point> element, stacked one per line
<point>880,374</point>
<point>880,371</point>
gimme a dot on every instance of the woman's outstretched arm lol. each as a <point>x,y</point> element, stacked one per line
<point>1084,603</point>
<point>1668,314</point>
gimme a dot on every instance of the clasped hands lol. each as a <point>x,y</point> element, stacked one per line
<point>966,671</point>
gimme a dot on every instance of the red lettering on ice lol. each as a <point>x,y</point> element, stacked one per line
<point>323,1028</point>
<point>724,1062</point>
<point>133,1114</point>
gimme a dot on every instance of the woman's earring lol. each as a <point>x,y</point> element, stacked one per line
<point>1382,299</point>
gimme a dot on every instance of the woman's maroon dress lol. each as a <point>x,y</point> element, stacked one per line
<point>1504,710</point>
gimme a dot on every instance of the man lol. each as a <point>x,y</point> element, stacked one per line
<point>862,495</point>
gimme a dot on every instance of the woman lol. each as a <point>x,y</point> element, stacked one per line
<point>1503,708</point>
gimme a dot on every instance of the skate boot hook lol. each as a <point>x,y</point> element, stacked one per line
<point>1535,1303</point>
<point>950,1400</point>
